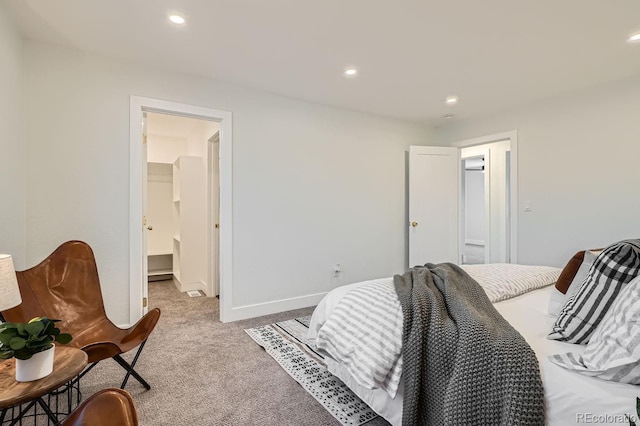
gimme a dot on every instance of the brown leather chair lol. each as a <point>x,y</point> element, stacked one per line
<point>65,286</point>
<point>107,407</point>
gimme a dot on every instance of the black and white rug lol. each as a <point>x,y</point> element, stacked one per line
<point>287,343</point>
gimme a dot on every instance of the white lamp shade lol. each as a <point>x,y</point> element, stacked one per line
<point>9,290</point>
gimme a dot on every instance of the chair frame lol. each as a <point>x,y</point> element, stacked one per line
<point>67,280</point>
<point>124,364</point>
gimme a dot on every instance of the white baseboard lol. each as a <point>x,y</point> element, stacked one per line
<point>195,285</point>
<point>274,307</point>
<point>267,308</point>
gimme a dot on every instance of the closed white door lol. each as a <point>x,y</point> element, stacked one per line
<point>434,174</point>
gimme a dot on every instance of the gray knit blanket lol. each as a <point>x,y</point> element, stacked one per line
<point>464,364</point>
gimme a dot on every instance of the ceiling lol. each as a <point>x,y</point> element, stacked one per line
<point>411,55</point>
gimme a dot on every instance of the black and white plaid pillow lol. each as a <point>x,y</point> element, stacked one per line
<point>613,353</point>
<point>615,267</point>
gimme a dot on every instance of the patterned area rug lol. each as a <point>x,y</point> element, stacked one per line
<point>287,343</point>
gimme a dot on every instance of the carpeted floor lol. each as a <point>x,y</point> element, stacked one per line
<point>203,372</point>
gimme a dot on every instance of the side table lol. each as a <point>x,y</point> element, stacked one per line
<point>67,363</point>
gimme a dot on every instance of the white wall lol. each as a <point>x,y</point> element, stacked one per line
<point>198,137</point>
<point>165,149</point>
<point>474,205</point>
<point>169,136</point>
<point>577,165</point>
<point>312,185</point>
<point>160,208</point>
<point>12,147</point>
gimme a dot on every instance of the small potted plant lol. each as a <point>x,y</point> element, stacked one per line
<point>31,344</point>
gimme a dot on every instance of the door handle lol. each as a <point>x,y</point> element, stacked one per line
<point>414,223</point>
<point>150,227</point>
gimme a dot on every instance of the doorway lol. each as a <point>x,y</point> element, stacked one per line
<point>476,187</point>
<point>138,172</point>
<point>178,183</point>
<point>436,205</point>
<point>488,213</point>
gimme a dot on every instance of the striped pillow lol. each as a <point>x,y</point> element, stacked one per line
<point>502,281</point>
<point>613,353</point>
<point>611,271</point>
<point>364,334</point>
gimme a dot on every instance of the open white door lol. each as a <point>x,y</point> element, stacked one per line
<point>216,214</point>
<point>145,226</point>
<point>434,174</point>
<point>213,219</point>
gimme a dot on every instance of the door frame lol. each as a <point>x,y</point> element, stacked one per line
<point>137,275</point>
<point>512,136</point>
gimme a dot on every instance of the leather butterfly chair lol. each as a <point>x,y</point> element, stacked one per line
<point>107,407</point>
<point>65,286</point>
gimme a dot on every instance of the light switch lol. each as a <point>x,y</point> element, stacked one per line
<point>527,206</point>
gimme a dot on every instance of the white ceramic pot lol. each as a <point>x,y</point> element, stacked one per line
<point>38,366</point>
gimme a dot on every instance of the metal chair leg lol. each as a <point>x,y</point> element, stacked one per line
<point>124,364</point>
<point>130,368</point>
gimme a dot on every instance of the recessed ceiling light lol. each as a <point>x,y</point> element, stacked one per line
<point>634,38</point>
<point>452,100</point>
<point>350,72</point>
<point>176,19</point>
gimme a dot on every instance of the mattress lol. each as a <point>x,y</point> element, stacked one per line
<point>570,398</point>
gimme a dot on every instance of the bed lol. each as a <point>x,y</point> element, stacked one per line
<point>569,398</point>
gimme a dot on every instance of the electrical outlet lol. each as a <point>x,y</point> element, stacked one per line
<point>336,270</point>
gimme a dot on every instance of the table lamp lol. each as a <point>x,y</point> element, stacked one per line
<point>9,290</point>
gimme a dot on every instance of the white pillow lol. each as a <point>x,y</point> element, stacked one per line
<point>613,353</point>
<point>557,299</point>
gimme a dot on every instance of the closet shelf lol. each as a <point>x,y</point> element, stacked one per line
<point>159,253</point>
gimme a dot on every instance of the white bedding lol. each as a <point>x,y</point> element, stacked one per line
<point>570,398</point>
<point>363,331</point>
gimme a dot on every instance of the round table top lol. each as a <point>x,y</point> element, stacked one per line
<point>67,363</point>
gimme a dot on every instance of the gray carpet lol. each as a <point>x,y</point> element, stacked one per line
<point>204,372</point>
